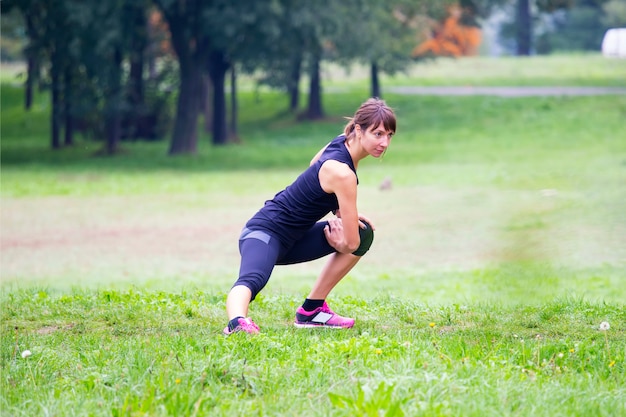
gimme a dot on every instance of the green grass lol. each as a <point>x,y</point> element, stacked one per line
<point>499,251</point>
<point>159,353</point>
<point>549,70</point>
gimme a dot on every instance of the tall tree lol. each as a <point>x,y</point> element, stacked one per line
<point>49,35</point>
<point>208,37</point>
<point>573,24</point>
<point>281,56</point>
<point>383,40</point>
<point>318,22</point>
<point>104,44</point>
<point>247,33</point>
<point>582,25</point>
<point>82,45</point>
<point>58,34</point>
<point>295,43</point>
<point>135,16</point>
<point>218,65</point>
<point>191,41</point>
<point>315,109</point>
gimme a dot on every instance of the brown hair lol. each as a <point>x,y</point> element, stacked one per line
<point>372,113</point>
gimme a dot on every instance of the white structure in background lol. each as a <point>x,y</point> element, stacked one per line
<point>614,43</point>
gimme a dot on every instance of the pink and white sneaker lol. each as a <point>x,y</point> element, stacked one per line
<point>245,325</point>
<point>322,317</point>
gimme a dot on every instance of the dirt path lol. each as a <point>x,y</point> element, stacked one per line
<point>525,91</point>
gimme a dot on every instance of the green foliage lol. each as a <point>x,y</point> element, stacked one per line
<point>381,37</point>
<point>615,13</point>
<point>581,30</point>
<point>13,37</point>
<point>567,25</point>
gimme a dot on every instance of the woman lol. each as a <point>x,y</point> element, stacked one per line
<point>288,229</point>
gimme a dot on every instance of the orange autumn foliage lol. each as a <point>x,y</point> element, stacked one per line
<point>451,38</point>
<point>159,33</point>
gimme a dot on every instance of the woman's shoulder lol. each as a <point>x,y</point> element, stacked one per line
<point>335,144</point>
<point>337,151</point>
<point>339,139</point>
<point>330,148</point>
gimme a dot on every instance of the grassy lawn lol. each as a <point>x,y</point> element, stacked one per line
<point>499,251</point>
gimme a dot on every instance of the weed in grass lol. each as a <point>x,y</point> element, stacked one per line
<point>604,327</point>
<point>370,402</point>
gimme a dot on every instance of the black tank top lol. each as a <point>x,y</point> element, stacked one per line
<point>300,205</point>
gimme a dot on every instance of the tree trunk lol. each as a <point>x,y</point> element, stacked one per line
<point>138,45</point>
<point>135,88</point>
<point>185,135</point>
<point>524,28</point>
<point>314,109</point>
<point>136,94</point>
<point>114,105</point>
<point>375,80</point>
<point>31,66</point>
<point>113,133</point>
<point>28,84</point>
<point>68,104</point>
<point>192,49</point>
<point>218,65</point>
<point>206,101</point>
<point>233,105</point>
<point>294,82</point>
<point>55,119</point>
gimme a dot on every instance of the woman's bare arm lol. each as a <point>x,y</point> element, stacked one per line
<point>343,234</point>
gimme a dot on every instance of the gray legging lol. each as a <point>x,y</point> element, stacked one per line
<point>260,252</point>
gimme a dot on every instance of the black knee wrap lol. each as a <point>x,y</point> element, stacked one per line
<point>367,237</point>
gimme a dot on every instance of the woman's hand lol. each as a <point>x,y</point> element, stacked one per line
<point>335,235</point>
<point>362,219</point>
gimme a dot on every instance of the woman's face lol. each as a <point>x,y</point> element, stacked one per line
<point>375,140</point>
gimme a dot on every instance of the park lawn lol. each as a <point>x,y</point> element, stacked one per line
<point>134,352</point>
<point>499,252</point>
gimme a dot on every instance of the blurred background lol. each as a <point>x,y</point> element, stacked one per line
<point>138,136</point>
<point>113,70</point>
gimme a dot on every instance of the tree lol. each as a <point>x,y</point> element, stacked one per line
<point>614,13</point>
<point>299,37</point>
<point>321,26</point>
<point>384,39</point>
<point>81,46</point>
<point>545,25</point>
<point>240,34</point>
<point>109,34</point>
<point>209,37</point>
<point>308,27</point>
<point>281,56</point>
<point>135,18</point>
<point>581,26</point>
<point>218,65</point>
<point>191,42</point>
<point>49,35</point>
